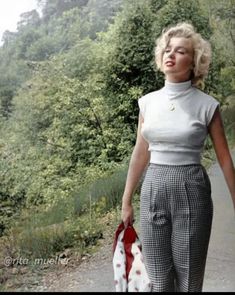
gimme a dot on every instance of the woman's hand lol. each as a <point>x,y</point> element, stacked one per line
<point>127,214</point>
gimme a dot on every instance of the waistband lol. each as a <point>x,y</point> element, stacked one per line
<point>174,158</point>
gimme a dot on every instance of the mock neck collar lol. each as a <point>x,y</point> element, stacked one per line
<point>173,87</point>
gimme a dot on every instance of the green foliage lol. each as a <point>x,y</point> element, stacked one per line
<point>13,74</point>
<point>29,18</point>
<point>28,37</point>
<point>130,61</point>
<point>176,11</point>
<point>32,241</point>
<point>55,8</point>
<point>228,118</point>
<point>222,22</point>
<point>65,128</point>
<point>227,81</point>
<point>102,194</point>
<point>128,70</point>
<point>97,15</point>
<point>82,60</point>
<point>62,25</point>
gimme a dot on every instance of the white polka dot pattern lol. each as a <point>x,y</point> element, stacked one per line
<point>130,274</point>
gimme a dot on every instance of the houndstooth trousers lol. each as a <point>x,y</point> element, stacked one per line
<point>176,213</point>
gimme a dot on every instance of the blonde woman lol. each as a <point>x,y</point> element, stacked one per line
<point>176,206</point>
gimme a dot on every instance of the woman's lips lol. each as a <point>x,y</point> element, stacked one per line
<point>169,63</point>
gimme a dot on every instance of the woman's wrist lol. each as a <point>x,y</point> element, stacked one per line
<point>126,202</point>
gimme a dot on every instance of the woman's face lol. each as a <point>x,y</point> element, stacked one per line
<point>177,60</point>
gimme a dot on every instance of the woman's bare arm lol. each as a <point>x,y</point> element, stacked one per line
<point>218,137</point>
<point>138,162</point>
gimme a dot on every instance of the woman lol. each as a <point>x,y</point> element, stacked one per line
<point>176,207</point>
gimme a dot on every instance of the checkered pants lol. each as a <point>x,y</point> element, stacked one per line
<point>176,213</point>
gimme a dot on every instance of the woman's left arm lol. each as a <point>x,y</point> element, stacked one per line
<point>218,137</point>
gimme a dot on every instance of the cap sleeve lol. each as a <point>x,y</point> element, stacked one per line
<point>142,105</point>
<point>211,110</point>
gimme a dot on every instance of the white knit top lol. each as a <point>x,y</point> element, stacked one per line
<point>175,123</point>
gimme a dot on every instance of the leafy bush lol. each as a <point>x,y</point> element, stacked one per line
<point>30,241</point>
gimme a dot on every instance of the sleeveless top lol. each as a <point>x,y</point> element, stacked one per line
<point>176,118</point>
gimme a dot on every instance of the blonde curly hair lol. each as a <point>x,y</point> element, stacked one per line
<point>202,49</point>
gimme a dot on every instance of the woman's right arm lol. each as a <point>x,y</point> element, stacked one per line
<point>138,162</point>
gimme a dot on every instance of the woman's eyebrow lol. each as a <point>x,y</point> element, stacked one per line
<point>177,47</point>
<point>180,47</point>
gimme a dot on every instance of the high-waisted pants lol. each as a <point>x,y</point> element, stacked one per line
<point>175,224</point>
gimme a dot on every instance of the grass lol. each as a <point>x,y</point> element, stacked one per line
<point>73,222</point>
<point>101,195</point>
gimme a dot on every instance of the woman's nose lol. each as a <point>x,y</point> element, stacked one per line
<point>171,54</point>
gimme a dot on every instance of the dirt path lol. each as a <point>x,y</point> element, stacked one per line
<point>220,269</point>
<point>95,274</point>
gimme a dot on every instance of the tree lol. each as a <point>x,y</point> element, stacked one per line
<point>29,18</point>
<point>55,8</point>
<point>11,79</point>
<point>221,16</point>
<point>97,15</point>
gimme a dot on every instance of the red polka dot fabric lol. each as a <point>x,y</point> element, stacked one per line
<point>130,274</point>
